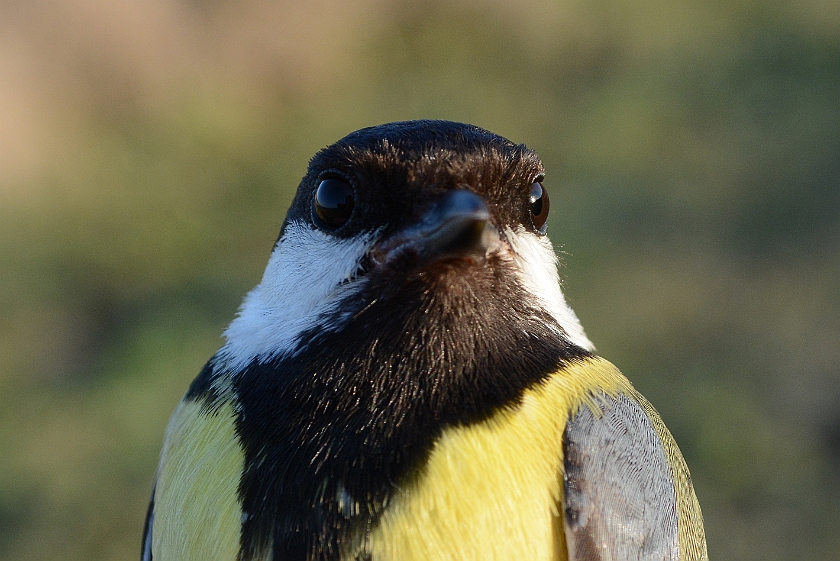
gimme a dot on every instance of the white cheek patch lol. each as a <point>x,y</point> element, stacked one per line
<point>305,281</point>
<point>537,265</point>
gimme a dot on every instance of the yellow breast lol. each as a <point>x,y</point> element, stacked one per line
<point>493,490</point>
<point>490,490</point>
<point>197,515</point>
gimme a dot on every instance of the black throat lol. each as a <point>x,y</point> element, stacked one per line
<point>330,432</point>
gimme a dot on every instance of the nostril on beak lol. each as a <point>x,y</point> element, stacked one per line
<point>455,226</point>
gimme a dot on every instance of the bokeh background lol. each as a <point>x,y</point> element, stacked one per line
<point>149,149</point>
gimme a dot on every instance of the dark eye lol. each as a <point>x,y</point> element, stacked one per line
<point>539,206</point>
<point>333,202</point>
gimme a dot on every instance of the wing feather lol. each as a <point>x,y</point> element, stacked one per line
<point>620,496</point>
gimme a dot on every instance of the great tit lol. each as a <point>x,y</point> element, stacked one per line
<point>407,382</point>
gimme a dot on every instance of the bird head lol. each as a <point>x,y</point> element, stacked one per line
<point>409,225</point>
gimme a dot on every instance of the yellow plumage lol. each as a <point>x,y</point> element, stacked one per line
<point>494,490</point>
<point>491,490</point>
<point>197,513</point>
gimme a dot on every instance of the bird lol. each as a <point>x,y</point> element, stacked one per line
<point>408,382</point>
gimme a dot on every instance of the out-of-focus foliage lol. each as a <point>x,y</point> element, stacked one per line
<point>148,150</point>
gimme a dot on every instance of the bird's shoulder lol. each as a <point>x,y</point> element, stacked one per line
<point>627,493</point>
<point>197,481</point>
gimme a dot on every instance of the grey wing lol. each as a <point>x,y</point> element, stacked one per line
<point>146,551</point>
<point>620,498</point>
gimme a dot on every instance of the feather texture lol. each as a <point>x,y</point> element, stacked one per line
<point>197,515</point>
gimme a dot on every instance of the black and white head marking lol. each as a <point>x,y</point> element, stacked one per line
<point>309,274</point>
<point>397,172</point>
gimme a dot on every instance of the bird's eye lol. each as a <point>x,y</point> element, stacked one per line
<point>539,206</point>
<point>333,202</point>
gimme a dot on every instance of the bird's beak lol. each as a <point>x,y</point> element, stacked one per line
<point>458,225</point>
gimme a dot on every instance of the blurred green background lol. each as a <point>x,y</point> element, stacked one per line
<point>149,148</point>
